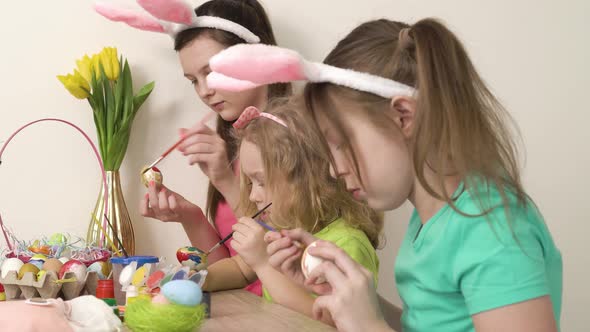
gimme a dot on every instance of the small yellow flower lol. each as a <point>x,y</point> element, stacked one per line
<point>85,68</point>
<point>95,61</point>
<point>75,84</point>
<point>110,62</point>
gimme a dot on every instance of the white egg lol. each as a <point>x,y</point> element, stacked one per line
<point>11,264</point>
<point>310,262</point>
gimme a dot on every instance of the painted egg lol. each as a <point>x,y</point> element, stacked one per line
<point>102,269</point>
<point>11,264</point>
<point>310,262</point>
<point>52,264</point>
<point>57,239</point>
<point>183,292</point>
<point>152,174</point>
<point>160,299</point>
<point>28,268</point>
<point>38,260</point>
<point>75,266</point>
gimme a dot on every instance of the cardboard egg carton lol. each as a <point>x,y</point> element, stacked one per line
<point>48,287</point>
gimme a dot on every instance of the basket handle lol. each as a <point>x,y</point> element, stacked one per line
<point>96,153</point>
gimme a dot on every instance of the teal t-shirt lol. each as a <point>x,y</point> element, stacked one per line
<point>455,266</point>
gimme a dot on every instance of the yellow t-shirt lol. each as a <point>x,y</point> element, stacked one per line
<point>353,241</point>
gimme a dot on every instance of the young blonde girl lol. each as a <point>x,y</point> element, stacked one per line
<point>411,119</point>
<point>284,163</point>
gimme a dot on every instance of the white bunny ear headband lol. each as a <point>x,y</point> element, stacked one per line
<point>171,17</point>
<point>243,67</point>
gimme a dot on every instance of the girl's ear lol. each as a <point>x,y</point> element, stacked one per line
<point>402,111</point>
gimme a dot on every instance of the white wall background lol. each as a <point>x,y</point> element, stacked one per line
<point>532,53</point>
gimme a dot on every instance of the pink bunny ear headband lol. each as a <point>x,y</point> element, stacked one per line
<point>171,17</point>
<point>242,67</point>
<point>251,113</point>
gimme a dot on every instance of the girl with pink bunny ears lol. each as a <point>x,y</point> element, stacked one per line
<point>407,117</point>
<point>198,35</point>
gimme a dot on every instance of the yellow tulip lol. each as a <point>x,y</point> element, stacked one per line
<point>95,61</point>
<point>85,68</point>
<point>75,84</point>
<point>110,62</point>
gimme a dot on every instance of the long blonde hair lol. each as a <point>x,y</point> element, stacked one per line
<point>297,173</point>
<point>459,125</point>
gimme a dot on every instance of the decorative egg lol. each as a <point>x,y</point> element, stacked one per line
<point>310,262</point>
<point>57,239</point>
<point>75,266</point>
<point>183,292</point>
<point>126,275</point>
<point>160,299</point>
<point>102,269</point>
<point>52,264</point>
<point>28,268</point>
<point>38,260</point>
<point>11,264</point>
<point>192,257</point>
<point>152,174</point>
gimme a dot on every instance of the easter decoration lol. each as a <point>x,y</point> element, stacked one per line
<point>105,81</point>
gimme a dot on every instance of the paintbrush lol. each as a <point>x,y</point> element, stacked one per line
<point>203,121</point>
<point>232,233</point>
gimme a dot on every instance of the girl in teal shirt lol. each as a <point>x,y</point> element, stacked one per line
<point>412,120</point>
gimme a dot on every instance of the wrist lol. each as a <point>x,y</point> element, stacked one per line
<point>226,182</point>
<point>193,214</point>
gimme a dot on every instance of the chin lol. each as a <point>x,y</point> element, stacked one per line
<point>383,204</point>
<point>229,115</point>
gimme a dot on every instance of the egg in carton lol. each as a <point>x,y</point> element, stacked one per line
<point>49,285</point>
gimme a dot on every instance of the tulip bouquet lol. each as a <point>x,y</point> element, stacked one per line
<point>105,81</point>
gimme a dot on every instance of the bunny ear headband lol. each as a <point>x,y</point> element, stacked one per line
<point>242,67</point>
<point>171,17</point>
<point>251,113</point>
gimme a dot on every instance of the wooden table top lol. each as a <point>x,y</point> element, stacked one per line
<point>239,310</point>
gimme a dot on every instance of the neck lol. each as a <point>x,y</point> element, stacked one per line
<point>426,205</point>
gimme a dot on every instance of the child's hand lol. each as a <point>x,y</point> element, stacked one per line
<point>353,302</point>
<point>249,242</point>
<point>203,146</point>
<point>285,252</point>
<point>164,204</point>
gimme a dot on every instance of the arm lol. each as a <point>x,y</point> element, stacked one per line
<point>228,273</point>
<point>534,315</point>
<point>287,293</point>
<point>168,206</point>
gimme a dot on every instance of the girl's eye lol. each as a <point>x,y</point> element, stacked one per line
<point>194,82</point>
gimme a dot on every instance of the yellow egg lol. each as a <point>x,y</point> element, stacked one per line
<point>27,268</point>
<point>152,174</point>
<point>41,274</point>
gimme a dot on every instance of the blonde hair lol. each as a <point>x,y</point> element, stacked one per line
<point>296,166</point>
<point>459,125</point>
